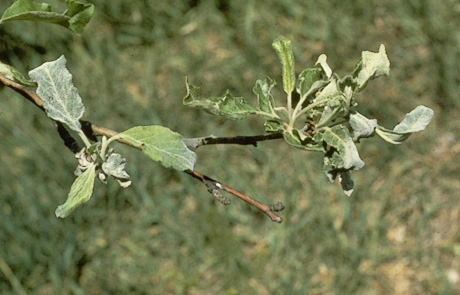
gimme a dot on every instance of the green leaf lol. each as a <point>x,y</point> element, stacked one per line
<point>362,126</point>
<point>299,140</point>
<point>16,76</point>
<point>161,145</point>
<point>273,126</point>
<point>342,154</point>
<point>322,62</point>
<point>372,65</point>
<point>80,192</point>
<point>263,90</point>
<point>282,47</point>
<point>415,121</point>
<point>331,90</point>
<point>115,167</point>
<point>61,99</point>
<point>308,78</point>
<point>228,106</point>
<point>75,18</point>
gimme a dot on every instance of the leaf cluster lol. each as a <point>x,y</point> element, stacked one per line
<point>324,118</point>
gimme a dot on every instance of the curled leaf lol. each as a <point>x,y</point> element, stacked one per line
<point>342,154</point>
<point>415,121</point>
<point>228,106</point>
<point>372,65</point>
<point>263,90</point>
<point>322,62</point>
<point>282,47</point>
<point>362,126</point>
<point>15,75</point>
<point>115,167</point>
<point>309,78</point>
<point>80,192</point>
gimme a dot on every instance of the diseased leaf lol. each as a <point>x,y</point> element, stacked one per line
<point>303,142</point>
<point>161,145</point>
<point>228,106</point>
<point>263,90</point>
<point>80,192</point>
<point>273,126</point>
<point>372,65</point>
<point>282,47</point>
<point>362,126</point>
<point>322,62</point>
<point>415,121</point>
<point>308,78</point>
<point>75,18</point>
<point>342,154</point>
<point>115,166</point>
<point>61,99</point>
<point>16,76</point>
<point>331,90</point>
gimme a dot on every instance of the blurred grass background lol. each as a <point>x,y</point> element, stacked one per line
<point>398,233</point>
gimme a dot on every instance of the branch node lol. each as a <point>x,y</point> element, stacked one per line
<point>277,207</point>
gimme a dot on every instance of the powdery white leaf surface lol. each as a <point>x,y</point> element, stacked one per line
<point>161,145</point>
<point>282,47</point>
<point>115,166</point>
<point>362,126</point>
<point>80,192</point>
<point>322,62</point>
<point>61,99</point>
<point>415,121</point>
<point>263,90</point>
<point>373,66</point>
<point>229,106</point>
<point>345,157</point>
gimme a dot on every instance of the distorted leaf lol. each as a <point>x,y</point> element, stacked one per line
<point>228,106</point>
<point>282,47</point>
<point>161,145</point>
<point>263,90</point>
<point>322,62</point>
<point>331,90</point>
<point>273,126</point>
<point>61,99</point>
<point>80,192</point>
<point>308,78</point>
<point>372,65</point>
<point>299,140</point>
<point>415,121</point>
<point>342,154</point>
<point>75,18</point>
<point>362,126</point>
<point>16,76</point>
<point>115,167</point>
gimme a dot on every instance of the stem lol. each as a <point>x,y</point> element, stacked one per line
<point>85,139</point>
<point>289,104</point>
<point>95,129</point>
<point>242,140</point>
<point>296,114</point>
<point>264,208</point>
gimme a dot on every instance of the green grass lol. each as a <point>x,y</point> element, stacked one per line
<point>397,234</point>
